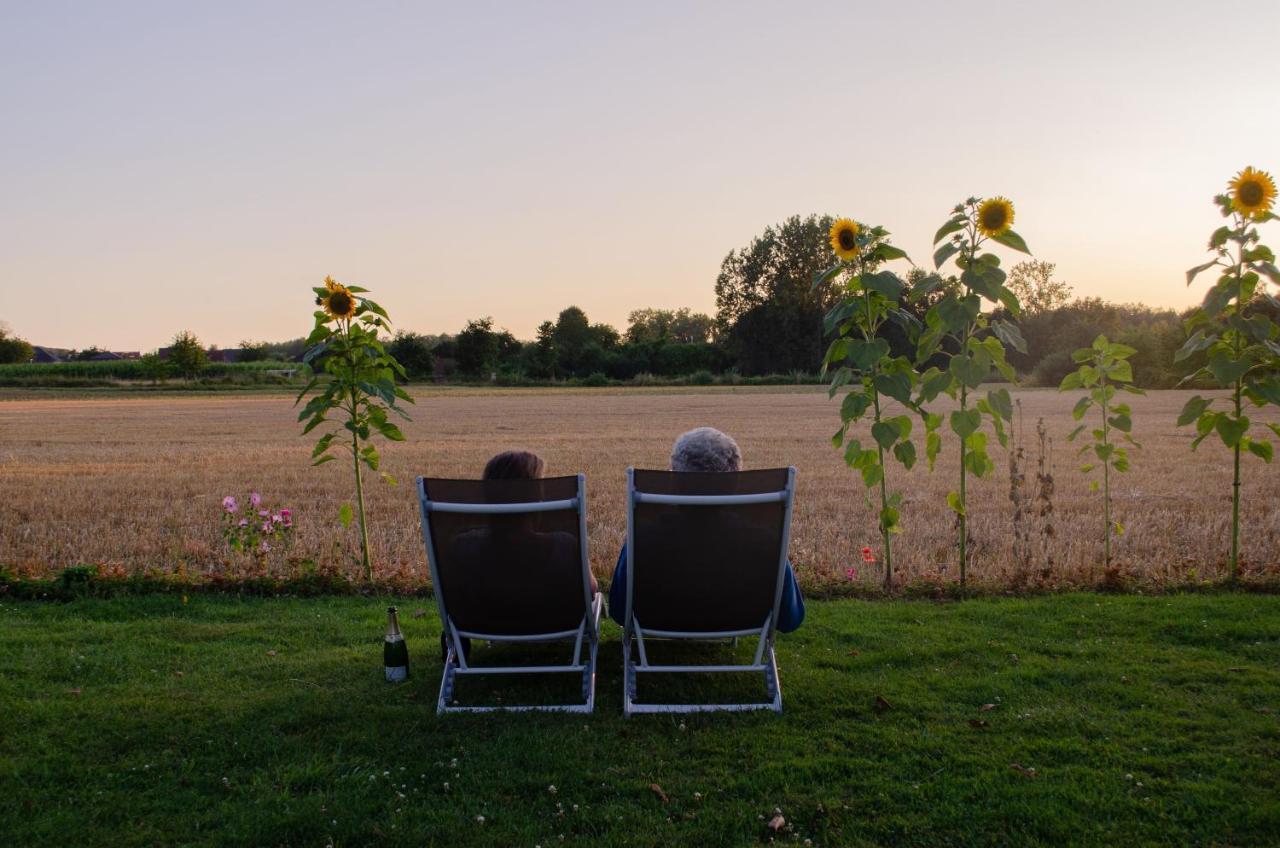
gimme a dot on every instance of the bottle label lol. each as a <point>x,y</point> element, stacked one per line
<point>397,673</point>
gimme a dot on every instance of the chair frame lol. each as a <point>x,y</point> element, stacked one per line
<point>587,631</point>
<point>765,659</point>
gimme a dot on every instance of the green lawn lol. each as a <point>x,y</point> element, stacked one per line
<point>1131,720</point>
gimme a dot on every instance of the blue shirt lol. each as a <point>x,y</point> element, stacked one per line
<point>790,610</point>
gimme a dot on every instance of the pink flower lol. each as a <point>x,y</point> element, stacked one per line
<point>244,522</point>
<point>264,513</point>
<point>255,500</point>
<point>229,504</point>
<point>286,513</point>
<point>265,547</point>
<point>276,518</point>
<point>268,527</point>
<point>867,555</point>
<point>851,573</point>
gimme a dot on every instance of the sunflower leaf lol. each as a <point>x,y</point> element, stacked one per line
<point>944,253</point>
<point>952,226</point>
<point>1011,239</point>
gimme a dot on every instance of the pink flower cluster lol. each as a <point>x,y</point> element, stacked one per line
<point>247,534</point>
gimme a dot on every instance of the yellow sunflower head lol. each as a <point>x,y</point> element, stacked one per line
<point>331,284</point>
<point>340,303</point>
<point>844,239</point>
<point>995,216</point>
<point>1253,193</point>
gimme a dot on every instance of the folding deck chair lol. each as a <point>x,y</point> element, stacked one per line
<point>508,561</point>
<point>706,556</point>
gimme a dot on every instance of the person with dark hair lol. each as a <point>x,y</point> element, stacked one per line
<point>553,551</point>
<point>709,450</point>
<point>514,465</point>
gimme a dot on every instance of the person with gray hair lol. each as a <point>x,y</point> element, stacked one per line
<point>706,449</point>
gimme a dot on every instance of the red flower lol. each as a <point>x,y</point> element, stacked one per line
<point>868,555</point>
<point>851,573</point>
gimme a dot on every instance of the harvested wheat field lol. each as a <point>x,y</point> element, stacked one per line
<point>135,483</point>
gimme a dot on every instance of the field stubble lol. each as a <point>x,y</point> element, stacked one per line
<point>135,484</point>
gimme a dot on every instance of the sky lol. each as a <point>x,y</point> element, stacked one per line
<point>169,166</point>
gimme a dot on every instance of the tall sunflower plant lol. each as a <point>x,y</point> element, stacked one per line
<point>861,364</point>
<point>973,341</point>
<point>1240,340</point>
<point>355,381</point>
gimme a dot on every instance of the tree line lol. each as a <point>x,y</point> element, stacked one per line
<point>768,321</point>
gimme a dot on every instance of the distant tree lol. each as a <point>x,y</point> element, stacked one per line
<point>681,326</point>
<point>13,349</point>
<point>1038,292</point>
<point>187,354</point>
<point>509,350</point>
<point>580,345</point>
<point>542,356</point>
<point>766,307</point>
<point>154,368</point>
<point>87,354</point>
<point>287,351</point>
<point>477,348</point>
<point>253,351</point>
<point>413,351</point>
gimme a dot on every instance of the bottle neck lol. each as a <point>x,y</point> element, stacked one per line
<point>393,627</point>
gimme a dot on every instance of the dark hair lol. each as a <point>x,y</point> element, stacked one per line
<point>514,465</point>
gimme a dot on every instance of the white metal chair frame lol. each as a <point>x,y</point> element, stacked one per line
<point>764,661</point>
<point>587,631</point>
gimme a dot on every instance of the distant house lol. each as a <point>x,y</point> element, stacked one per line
<point>229,355</point>
<point>49,354</point>
<point>104,356</point>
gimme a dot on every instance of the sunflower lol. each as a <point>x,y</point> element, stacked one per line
<point>339,303</point>
<point>1253,193</point>
<point>331,284</point>
<point>995,216</point>
<point>844,239</point>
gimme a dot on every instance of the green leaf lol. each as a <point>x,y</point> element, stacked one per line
<point>968,370</point>
<point>1081,407</point>
<point>1227,370</point>
<point>933,447</point>
<point>965,422</point>
<point>1191,275</point>
<point>1071,437</point>
<point>886,283</point>
<point>1260,449</point>
<point>1192,410</point>
<point>954,225</point>
<point>1231,430</point>
<point>1196,343</point>
<point>1121,422</point>
<point>953,501</point>
<point>906,454</point>
<point>1011,239</point>
<point>942,254</point>
<point>322,445</point>
<point>888,252</point>
<point>1103,452</point>
<point>1121,371</point>
<point>1001,403</point>
<point>872,474</point>
<point>1069,382</point>
<point>854,405</point>
<point>1010,335</point>
<point>889,520</point>
<point>924,287</point>
<point>933,383</point>
<point>896,386</point>
<point>345,515</point>
<point>884,433</point>
<point>322,460</point>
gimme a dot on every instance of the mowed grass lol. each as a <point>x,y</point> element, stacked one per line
<point>226,721</point>
<point>135,483</point>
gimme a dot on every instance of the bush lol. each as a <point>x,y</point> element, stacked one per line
<point>596,380</point>
<point>1051,369</point>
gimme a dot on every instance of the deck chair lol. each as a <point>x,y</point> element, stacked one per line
<point>508,561</point>
<point>706,554</point>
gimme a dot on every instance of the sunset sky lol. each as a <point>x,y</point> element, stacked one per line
<point>201,165</point>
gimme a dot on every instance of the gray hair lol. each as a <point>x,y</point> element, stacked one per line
<point>705,449</point>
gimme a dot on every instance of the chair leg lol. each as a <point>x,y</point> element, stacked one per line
<point>447,680</point>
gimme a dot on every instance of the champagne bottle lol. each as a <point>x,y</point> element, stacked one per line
<point>395,654</point>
